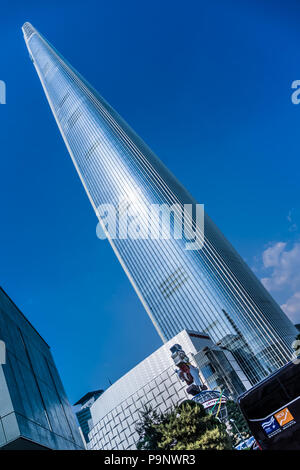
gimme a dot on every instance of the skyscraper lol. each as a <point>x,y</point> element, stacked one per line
<point>210,289</point>
<point>84,413</point>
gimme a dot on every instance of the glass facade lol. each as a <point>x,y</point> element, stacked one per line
<point>84,413</point>
<point>34,409</point>
<point>210,289</point>
<point>221,371</point>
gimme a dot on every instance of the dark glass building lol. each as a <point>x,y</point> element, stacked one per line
<point>84,413</point>
<point>208,289</point>
<point>34,409</point>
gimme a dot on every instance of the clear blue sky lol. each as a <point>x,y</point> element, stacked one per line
<point>207,85</point>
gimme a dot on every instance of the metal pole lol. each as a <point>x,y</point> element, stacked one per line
<point>238,431</point>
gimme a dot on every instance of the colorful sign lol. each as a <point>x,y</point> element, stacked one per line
<point>284,418</point>
<point>210,403</point>
<point>270,426</point>
<point>278,422</point>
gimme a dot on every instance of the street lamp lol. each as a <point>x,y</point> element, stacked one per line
<point>238,431</point>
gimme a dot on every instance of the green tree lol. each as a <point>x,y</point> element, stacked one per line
<point>147,429</point>
<point>239,426</point>
<point>189,427</point>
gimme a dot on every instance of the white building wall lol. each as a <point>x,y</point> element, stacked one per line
<point>153,382</point>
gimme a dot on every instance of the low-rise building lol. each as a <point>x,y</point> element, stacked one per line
<point>155,383</point>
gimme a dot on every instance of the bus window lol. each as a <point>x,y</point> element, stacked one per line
<point>291,383</point>
<point>266,400</point>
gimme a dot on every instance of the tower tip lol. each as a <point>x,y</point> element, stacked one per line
<point>27,29</point>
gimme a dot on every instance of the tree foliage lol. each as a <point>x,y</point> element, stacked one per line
<point>186,427</point>
<point>239,429</point>
<point>147,429</point>
<point>189,427</point>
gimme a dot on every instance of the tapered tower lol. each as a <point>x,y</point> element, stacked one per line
<point>209,288</point>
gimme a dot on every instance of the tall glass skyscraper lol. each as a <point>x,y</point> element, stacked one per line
<point>209,289</point>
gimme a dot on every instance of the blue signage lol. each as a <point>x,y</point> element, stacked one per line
<point>270,426</point>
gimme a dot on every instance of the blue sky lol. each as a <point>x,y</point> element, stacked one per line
<point>208,86</point>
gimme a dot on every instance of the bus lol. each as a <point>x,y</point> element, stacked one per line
<point>272,409</point>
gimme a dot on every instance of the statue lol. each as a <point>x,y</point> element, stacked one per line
<point>186,371</point>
